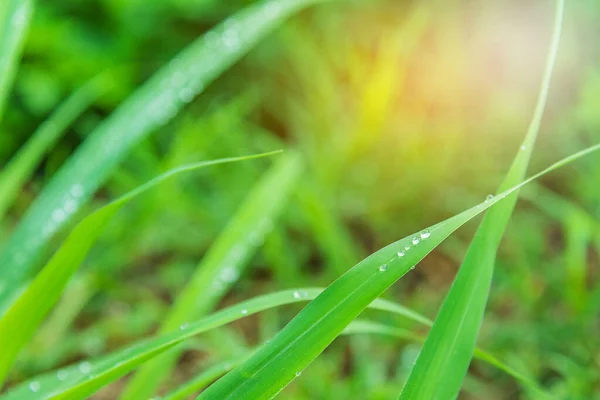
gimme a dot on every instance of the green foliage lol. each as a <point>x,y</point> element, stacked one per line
<point>19,169</point>
<point>150,107</point>
<point>393,116</point>
<point>277,363</point>
<point>14,21</point>
<point>446,355</point>
<point>223,264</point>
<point>23,317</point>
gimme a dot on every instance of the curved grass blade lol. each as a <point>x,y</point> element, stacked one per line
<point>19,169</point>
<point>444,360</point>
<point>14,21</point>
<point>150,107</point>
<point>24,316</point>
<point>320,322</point>
<point>221,266</point>
<point>82,379</point>
<point>356,327</point>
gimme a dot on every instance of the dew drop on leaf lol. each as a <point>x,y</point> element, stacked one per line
<point>85,367</point>
<point>34,386</point>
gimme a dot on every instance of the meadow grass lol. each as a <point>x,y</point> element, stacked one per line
<point>203,249</point>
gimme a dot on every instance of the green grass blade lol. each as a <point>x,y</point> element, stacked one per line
<point>318,324</point>
<point>24,316</point>
<point>356,327</point>
<point>202,380</point>
<point>150,107</point>
<point>14,21</point>
<point>83,379</point>
<point>444,360</point>
<point>222,265</point>
<point>79,380</point>
<point>19,169</point>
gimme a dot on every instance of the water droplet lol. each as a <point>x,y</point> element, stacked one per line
<point>70,206</point>
<point>177,79</point>
<point>407,248</point>
<point>244,311</point>
<point>230,39</point>
<point>62,375</point>
<point>85,367</point>
<point>298,373</point>
<point>296,294</point>
<point>523,147</point>
<point>211,38</point>
<point>401,253</point>
<point>186,95</point>
<point>229,274</point>
<point>58,215</point>
<point>34,386</point>
<point>413,267</point>
<point>184,326</point>
<point>48,229</point>
<point>416,240</point>
<point>425,234</point>
<point>383,267</point>
<point>489,198</point>
<point>77,190</point>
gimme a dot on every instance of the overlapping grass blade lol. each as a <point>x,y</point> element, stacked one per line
<point>222,265</point>
<point>446,355</point>
<point>14,22</point>
<point>202,380</point>
<point>356,327</point>
<point>150,107</point>
<point>318,324</point>
<point>20,167</point>
<point>24,316</point>
<point>85,378</point>
<point>82,379</point>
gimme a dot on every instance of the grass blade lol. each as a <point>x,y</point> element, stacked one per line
<point>202,380</point>
<point>446,355</point>
<point>19,169</point>
<point>21,320</point>
<point>14,21</point>
<point>150,107</point>
<point>82,379</point>
<point>221,266</point>
<point>276,364</point>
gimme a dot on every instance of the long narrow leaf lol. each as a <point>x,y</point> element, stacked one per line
<point>221,266</point>
<point>24,316</point>
<point>276,364</point>
<point>150,107</point>
<point>82,379</point>
<point>446,355</point>
<point>19,169</point>
<point>14,21</point>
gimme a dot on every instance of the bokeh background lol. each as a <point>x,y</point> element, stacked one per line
<point>406,113</point>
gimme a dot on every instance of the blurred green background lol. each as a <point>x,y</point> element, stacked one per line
<point>406,113</point>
